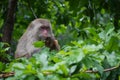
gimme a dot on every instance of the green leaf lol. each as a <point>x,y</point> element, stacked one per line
<point>103,11</point>
<point>39,44</point>
<point>112,45</point>
<point>40,76</point>
<point>112,59</point>
<point>1,66</point>
<point>64,69</point>
<point>19,66</point>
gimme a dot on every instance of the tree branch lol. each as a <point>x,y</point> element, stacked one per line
<point>6,74</point>
<point>9,23</point>
<point>105,70</point>
<point>9,74</point>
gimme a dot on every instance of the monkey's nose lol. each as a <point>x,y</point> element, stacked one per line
<point>45,35</point>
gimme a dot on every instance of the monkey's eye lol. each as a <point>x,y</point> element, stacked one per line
<point>44,28</point>
<point>47,28</point>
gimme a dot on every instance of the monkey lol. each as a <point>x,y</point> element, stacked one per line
<point>38,30</point>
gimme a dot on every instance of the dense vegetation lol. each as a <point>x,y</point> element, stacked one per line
<point>88,32</point>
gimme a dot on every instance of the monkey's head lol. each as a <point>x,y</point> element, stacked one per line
<point>42,28</point>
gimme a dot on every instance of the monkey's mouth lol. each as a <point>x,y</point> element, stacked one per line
<point>45,39</point>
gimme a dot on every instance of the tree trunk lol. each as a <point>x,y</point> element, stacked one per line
<point>9,23</point>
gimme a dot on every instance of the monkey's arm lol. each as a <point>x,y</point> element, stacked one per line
<point>25,55</point>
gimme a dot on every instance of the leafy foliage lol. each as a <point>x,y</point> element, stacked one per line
<point>73,60</point>
<point>87,30</point>
<point>4,57</point>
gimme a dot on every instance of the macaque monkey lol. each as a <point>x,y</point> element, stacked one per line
<point>38,30</point>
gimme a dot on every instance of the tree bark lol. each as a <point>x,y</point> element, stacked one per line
<point>9,23</point>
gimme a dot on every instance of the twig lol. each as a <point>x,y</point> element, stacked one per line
<point>6,74</point>
<point>29,5</point>
<point>105,70</point>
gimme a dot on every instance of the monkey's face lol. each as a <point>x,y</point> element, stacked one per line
<point>42,29</point>
<point>44,32</point>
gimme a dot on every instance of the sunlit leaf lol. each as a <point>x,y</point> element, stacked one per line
<point>19,66</point>
<point>39,44</point>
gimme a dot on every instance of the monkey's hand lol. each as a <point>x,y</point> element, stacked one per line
<point>56,45</point>
<point>52,43</point>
